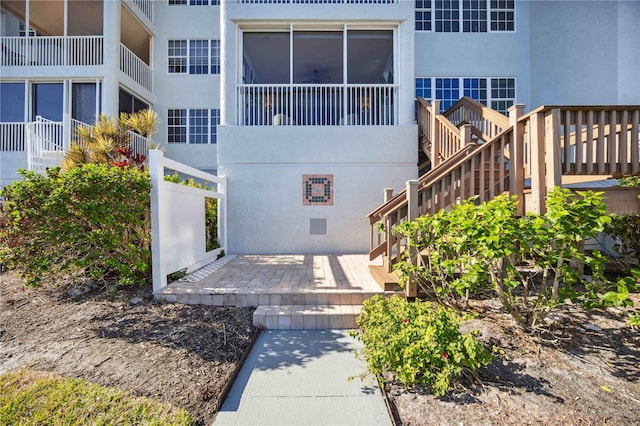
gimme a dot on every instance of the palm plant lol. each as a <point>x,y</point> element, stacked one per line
<point>111,141</point>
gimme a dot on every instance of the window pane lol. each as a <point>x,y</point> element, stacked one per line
<point>11,102</point>
<point>83,102</point>
<point>47,101</point>
<point>198,126</point>
<point>199,57</point>
<point>177,126</point>
<point>447,91</point>
<point>215,56</point>
<point>317,57</point>
<point>423,88</point>
<point>215,121</point>
<point>177,56</point>
<point>266,58</point>
<point>370,57</point>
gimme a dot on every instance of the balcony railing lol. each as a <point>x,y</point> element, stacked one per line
<point>135,68</point>
<point>146,6</point>
<point>51,51</point>
<point>316,105</point>
<point>12,137</point>
<point>318,1</point>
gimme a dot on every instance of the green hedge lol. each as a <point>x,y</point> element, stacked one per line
<point>90,223</point>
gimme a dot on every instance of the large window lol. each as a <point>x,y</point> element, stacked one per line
<point>193,56</point>
<point>469,16</point>
<point>318,57</point>
<point>11,102</point>
<point>84,101</point>
<point>497,93</point>
<point>193,126</point>
<point>48,101</point>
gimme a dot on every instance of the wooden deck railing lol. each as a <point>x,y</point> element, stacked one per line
<point>539,148</point>
<point>488,121</point>
<point>439,138</point>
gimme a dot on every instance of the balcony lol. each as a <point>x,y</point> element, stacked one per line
<point>135,68</point>
<point>51,51</point>
<point>316,104</point>
<point>318,1</point>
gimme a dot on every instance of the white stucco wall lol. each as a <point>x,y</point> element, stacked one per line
<point>265,168</point>
<point>498,54</point>
<point>584,52</point>
<point>10,162</point>
<point>184,90</point>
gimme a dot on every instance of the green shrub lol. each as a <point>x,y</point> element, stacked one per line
<point>32,398</point>
<point>90,223</point>
<point>625,229</point>
<point>485,247</point>
<point>418,343</point>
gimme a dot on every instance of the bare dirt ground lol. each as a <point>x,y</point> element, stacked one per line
<point>178,354</point>
<point>586,372</point>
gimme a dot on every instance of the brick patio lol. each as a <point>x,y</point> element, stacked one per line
<point>289,291</point>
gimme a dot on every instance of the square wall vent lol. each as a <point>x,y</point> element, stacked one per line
<point>318,226</point>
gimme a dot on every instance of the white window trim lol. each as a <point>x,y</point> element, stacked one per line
<point>490,98</point>
<point>188,127</point>
<point>188,56</point>
<point>432,9</point>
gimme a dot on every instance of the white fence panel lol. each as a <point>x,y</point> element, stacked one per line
<point>178,230</point>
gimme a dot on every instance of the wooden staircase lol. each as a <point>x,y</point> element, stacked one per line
<point>476,152</point>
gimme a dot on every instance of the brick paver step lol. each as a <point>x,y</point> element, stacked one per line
<point>306,317</point>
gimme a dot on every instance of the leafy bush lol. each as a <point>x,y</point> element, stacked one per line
<point>419,343</point>
<point>625,229</point>
<point>32,398</point>
<point>90,223</point>
<point>629,181</point>
<point>486,247</point>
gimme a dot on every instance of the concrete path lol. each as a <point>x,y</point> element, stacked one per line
<point>301,377</point>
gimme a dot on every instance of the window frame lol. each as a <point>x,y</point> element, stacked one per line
<point>508,89</point>
<point>489,10</point>
<point>209,63</point>
<point>194,127</point>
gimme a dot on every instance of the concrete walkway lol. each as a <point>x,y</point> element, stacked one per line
<point>301,377</point>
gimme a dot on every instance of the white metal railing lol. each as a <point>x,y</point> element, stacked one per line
<point>135,68</point>
<point>318,1</point>
<point>51,51</point>
<point>12,136</point>
<point>45,144</point>
<point>146,6</point>
<point>178,228</point>
<point>316,104</point>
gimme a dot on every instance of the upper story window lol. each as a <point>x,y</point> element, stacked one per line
<point>194,2</point>
<point>194,56</point>
<point>469,16</point>
<point>193,126</point>
<point>497,93</point>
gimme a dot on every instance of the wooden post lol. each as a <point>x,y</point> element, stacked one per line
<point>552,149</point>
<point>536,147</point>
<point>412,214</point>
<point>516,156</point>
<point>388,194</point>
<point>465,135</point>
<point>435,136</point>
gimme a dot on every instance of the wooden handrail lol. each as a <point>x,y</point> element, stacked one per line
<point>542,146</point>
